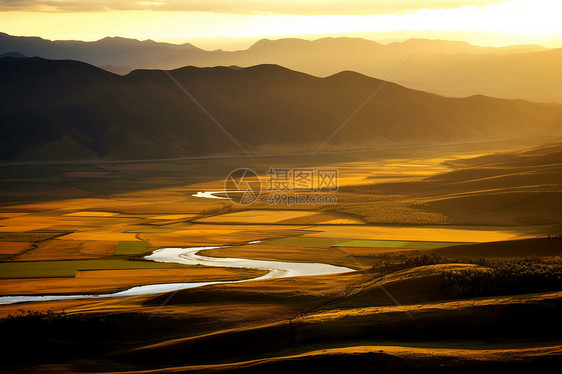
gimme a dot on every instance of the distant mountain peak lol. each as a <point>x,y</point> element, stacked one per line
<point>336,41</point>
<point>120,38</point>
<point>435,41</point>
<point>450,68</point>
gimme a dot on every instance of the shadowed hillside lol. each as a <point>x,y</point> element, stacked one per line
<point>72,110</point>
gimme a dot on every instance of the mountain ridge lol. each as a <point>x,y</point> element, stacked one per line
<point>67,110</point>
<point>449,68</point>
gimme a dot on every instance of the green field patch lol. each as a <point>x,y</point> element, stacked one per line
<point>30,236</point>
<point>306,242</point>
<point>68,268</point>
<point>152,230</point>
<point>396,244</point>
<point>132,247</point>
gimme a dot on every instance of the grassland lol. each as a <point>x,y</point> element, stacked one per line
<point>68,268</point>
<point>405,221</point>
<point>132,247</point>
<point>395,244</point>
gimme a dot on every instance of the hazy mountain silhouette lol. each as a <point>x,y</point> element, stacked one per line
<point>107,51</point>
<point>12,54</point>
<point>72,110</point>
<point>120,70</point>
<point>446,67</point>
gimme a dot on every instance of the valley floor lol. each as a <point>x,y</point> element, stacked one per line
<point>455,265</point>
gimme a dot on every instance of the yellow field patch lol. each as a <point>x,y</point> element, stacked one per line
<point>21,228</point>
<point>91,214</point>
<point>101,235</point>
<point>258,216</point>
<point>34,222</point>
<point>57,249</point>
<point>173,216</point>
<point>388,170</point>
<point>80,204</point>
<point>323,218</point>
<point>8,248</point>
<point>213,235</point>
<point>11,215</point>
<point>441,234</point>
<point>343,221</point>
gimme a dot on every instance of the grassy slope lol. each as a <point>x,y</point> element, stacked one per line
<point>343,325</point>
<point>514,188</point>
<point>513,248</point>
<point>309,321</point>
<point>395,359</point>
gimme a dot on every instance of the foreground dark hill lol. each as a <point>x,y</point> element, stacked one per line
<point>71,110</point>
<point>448,68</point>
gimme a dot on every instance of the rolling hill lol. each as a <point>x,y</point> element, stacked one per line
<point>66,110</point>
<point>520,187</point>
<point>445,67</point>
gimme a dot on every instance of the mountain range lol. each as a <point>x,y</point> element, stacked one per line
<point>69,110</point>
<point>450,68</point>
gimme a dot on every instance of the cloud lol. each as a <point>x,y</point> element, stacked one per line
<point>294,7</point>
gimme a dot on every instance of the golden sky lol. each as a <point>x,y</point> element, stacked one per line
<point>234,24</point>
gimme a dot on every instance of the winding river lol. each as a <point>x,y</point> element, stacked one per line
<point>211,194</point>
<point>190,256</point>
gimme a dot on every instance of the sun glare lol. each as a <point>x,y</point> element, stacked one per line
<point>516,21</point>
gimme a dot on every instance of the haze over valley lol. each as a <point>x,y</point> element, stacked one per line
<point>339,195</point>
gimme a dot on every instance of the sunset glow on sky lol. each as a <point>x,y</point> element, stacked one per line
<point>499,22</point>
